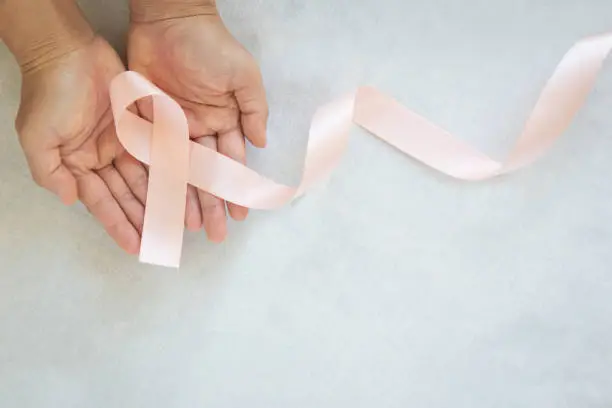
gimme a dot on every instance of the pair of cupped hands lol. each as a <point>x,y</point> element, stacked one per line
<point>66,127</point>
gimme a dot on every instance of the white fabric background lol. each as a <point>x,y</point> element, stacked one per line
<point>392,286</point>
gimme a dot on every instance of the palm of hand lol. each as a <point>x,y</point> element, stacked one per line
<point>66,130</point>
<point>217,82</point>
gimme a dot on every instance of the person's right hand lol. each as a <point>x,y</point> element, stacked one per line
<point>66,129</point>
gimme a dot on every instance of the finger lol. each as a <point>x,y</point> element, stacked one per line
<point>213,208</point>
<point>134,174</point>
<point>49,172</point>
<point>254,112</point>
<point>96,196</point>
<point>232,145</point>
<point>131,206</point>
<point>193,214</point>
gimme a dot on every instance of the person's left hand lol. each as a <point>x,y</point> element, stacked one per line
<point>200,64</point>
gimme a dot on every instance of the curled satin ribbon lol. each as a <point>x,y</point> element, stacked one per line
<point>176,161</point>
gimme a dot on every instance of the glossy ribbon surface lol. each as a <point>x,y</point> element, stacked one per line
<point>175,161</point>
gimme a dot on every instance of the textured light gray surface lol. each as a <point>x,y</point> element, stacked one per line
<point>391,287</point>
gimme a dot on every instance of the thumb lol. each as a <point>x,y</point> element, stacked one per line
<point>251,100</point>
<point>49,172</point>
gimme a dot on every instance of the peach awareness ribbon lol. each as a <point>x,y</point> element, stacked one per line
<point>175,161</point>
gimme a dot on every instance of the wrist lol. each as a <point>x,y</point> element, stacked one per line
<point>40,31</point>
<point>147,11</point>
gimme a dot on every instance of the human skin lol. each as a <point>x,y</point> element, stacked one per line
<point>64,120</point>
<point>184,48</point>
